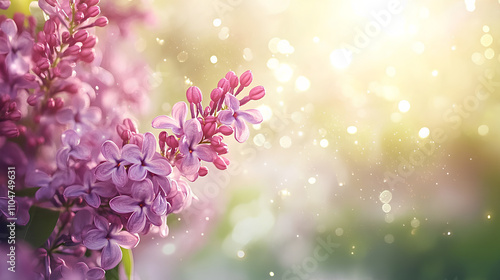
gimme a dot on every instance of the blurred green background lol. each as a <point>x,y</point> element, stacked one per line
<point>380,139</point>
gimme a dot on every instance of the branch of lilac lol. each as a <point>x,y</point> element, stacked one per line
<point>62,102</point>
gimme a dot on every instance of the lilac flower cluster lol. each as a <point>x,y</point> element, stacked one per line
<point>62,105</point>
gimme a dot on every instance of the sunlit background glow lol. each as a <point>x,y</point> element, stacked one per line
<point>378,154</point>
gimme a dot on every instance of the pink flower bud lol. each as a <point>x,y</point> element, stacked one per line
<point>101,22</point>
<point>89,42</point>
<point>82,6</point>
<point>43,64</point>
<point>232,78</point>
<point>216,94</point>
<point>225,130</point>
<point>221,163</point>
<point>59,102</point>
<point>9,129</point>
<point>51,103</point>
<point>216,140</point>
<point>194,95</point>
<point>172,142</point>
<point>209,129</point>
<point>65,37</point>
<point>39,48</point>
<point>79,15</point>
<point>49,27</point>
<point>246,78</point>
<point>87,55</point>
<point>51,2</point>
<point>93,11</point>
<point>72,50</point>
<point>81,35</point>
<point>224,85</point>
<point>92,2</point>
<point>257,92</point>
<point>203,171</point>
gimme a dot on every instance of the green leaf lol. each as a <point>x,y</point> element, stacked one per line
<point>128,262</point>
<point>41,225</point>
<point>113,274</point>
<point>28,192</point>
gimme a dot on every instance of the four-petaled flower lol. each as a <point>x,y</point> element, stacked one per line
<point>114,166</point>
<point>192,150</point>
<point>109,238</point>
<point>233,115</point>
<point>145,159</point>
<point>143,205</point>
<point>91,190</point>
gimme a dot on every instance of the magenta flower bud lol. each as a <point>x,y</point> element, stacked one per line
<point>101,22</point>
<point>232,78</point>
<point>82,7</point>
<point>226,130</point>
<point>93,11</point>
<point>71,88</point>
<point>51,103</point>
<point>246,78</point>
<point>162,140</point>
<point>257,92</point>
<point>15,115</point>
<point>221,163</point>
<point>216,140</point>
<point>203,171</point>
<point>87,55</point>
<point>209,129</point>
<point>216,94</point>
<point>194,95</point>
<point>224,85</point>
<point>81,35</point>
<point>72,50</point>
<point>59,102</point>
<point>29,77</point>
<point>9,129</point>
<point>92,2</point>
<point>22,129</point>
<point>49,27</point>
<point>43,64</point>
<point>126,135</point>
<point>39,48</point>
<point>79,15</point>
<point>89,42</point>
<point>65,37</point>
<point>172,142</point>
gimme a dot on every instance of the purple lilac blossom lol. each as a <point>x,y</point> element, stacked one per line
<point>192,150</point>
<point>236,117</point>
<point>176,122</point>
<point>145,159</point>
<point>114,166</point>
<point>109,237</point>
<point>90,190</point>
<point>143,205</point>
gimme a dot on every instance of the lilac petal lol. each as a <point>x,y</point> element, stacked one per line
<point>4,46</point>
<point>93,200</point>
<point>242,131</point>
<point>124,204</point>
<point>149,146</point>
<point>80,152</point>
<point>252,116</point>
<point>101,223</point>
<point>119,177</point>
<point>62,157</point>
<point>48,9</point>
<point>226,117</point>
<point>179,112</point>
<point>143,191</point>
<point>111,256</point>
<point>37,179</point>
<point>126,240</point>
<point>137,172</point>
<point>95,273</point>
<point>16,64</point>
<point>9,28</point>
<point>164,122</point>
<point>131,153</point>
<point>75,191</point>
<point>70,138</point>
<point>104,170</point>
<point>192,131</point>
<point>110,151</point>
<point>136,222</point>
<point>232,102</point>
<point>81,268</point>
<point>163,182</point>
<point>159,166</point>
<point>190,164</point>
<point>104,189</point>
<point>206,153</point>
<point>95,239</point>
<point>159,205</point>
<point>45,193</point>
<point>65,116</point>
<point>155,219</point>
